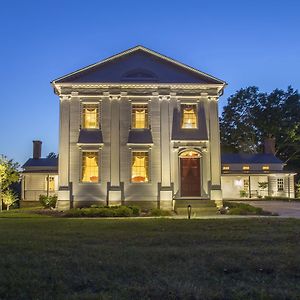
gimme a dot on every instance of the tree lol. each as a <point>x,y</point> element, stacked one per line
<point>250,116</point>
<point>9,174</point>
<point>9,198</point>
<point>52,155</point>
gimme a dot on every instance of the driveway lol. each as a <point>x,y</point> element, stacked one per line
<point>283,208</point>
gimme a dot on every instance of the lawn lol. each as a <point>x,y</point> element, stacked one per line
<point>58,258</point>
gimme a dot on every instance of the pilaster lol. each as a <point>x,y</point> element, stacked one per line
<point>165,193</point>
<point>114,192</point>
<point>63,201</point>
<point>215,152</point>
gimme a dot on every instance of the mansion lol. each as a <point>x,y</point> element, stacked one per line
<point>140,128</point>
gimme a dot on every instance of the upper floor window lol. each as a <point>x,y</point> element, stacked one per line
<point>139,116</point>
<point>90,116</point>
<point>140,167</point>
<point>280,184</point>
<point>189,116</point>
<point>90,167</point>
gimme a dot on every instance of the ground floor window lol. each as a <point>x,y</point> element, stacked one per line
<point>280,184</point>
<point>140,167</point>
<point>51,183</point>
<point>90,167</point>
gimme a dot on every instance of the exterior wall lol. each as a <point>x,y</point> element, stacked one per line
<point>35,184</point>
<point>233,184</point>
<point>115,186</point>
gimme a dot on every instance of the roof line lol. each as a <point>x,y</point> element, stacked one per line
<point>139,47</point>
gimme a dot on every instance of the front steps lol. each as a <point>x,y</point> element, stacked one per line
<point>198,207</point>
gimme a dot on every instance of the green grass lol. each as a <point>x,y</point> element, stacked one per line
<point>58,258</point>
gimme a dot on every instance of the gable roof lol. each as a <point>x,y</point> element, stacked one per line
<point>245,158</point>
<point>139,64</point>
<point>41,165</point>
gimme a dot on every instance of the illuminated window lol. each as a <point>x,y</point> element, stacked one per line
<point>246,185</point>
<point>140,167</point>
<point>226,168</point>
<point>90,116</point>
<point>90,168</point>
<point>280,184</point>
<point>139,116</point>
<point>246,168</point>
<point>189,116</point>
<point>50,184</point>
<point>266,168</point>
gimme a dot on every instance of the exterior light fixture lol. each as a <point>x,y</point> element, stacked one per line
<point>189,209</point>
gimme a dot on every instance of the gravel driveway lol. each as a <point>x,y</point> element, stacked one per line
<point>284,209</point>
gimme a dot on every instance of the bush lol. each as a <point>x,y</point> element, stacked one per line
<point>157,212</point>
<point>103,212</point>
<point>48,201</point>
<point>245,209</point>
<point>275,198</point>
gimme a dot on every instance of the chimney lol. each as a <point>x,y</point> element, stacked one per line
<point>37,149</point>
<point>269,145</point>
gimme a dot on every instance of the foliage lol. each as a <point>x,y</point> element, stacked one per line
<point>48,201</point>
<point>276,198</point>
<point>104,211</point>
<point>52,155</point>
<point>250,116</point>
<point>237,208</point>
<point>157,212</point>
<point>9,173</point>
<point>9,198</point>
<point>243,194</point>
<point>263,185</point>
<point>297,189</point>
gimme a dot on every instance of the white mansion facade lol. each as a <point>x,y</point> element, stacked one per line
<point>138,127</point>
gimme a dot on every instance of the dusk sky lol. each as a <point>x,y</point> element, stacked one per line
<point>242,42</point>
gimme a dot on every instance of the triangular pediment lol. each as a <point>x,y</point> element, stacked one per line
<point>138,65</point>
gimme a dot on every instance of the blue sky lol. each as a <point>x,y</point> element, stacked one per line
<point>243,42</point>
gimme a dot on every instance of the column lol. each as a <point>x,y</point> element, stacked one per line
<point>165,193</point>
<point>215,152</point>
<point>63,202</point>
<point>114,193</point>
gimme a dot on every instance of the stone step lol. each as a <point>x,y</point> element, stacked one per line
<point>196,212</point>
<point>194,203</point>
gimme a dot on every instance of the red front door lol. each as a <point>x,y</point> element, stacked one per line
<point>190,177</point>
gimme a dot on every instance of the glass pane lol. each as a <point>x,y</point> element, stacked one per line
<point>189,116</point>
<point>139,116</point>
<point>51,184</point>
<point>140,166</point>
<point>90,116</point>
<point>90,169</point>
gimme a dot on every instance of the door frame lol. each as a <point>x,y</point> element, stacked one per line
<point>200,170</point>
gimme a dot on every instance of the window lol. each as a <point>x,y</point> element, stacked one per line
<point>90,168</point>
<point>50,183</point>
<point>140,167</point>
<point>266,168</point>
<point>90,116</point>
<point>280,184</point>
<point>139,116</point>
<point>246,168</point>
<point>189,116</point>
<point>246,185</point>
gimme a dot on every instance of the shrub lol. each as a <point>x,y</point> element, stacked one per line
<point>275,198</point>
<point>237,208</point>
<point>48,201</point>
<point>135,210</point>
<point>157,212</point>
<point>102,212</point>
